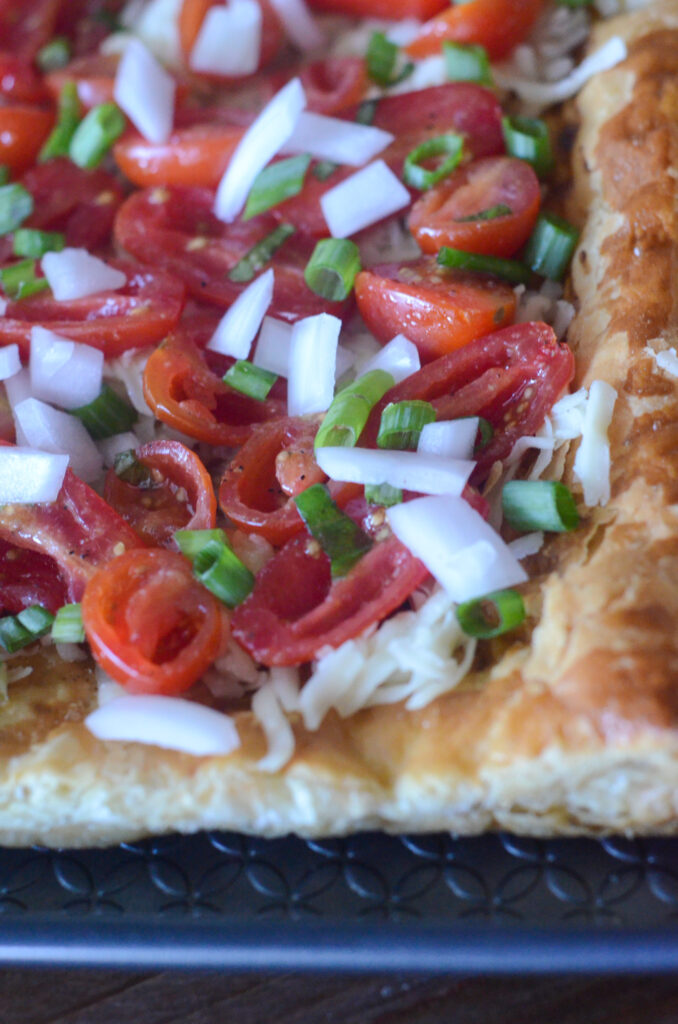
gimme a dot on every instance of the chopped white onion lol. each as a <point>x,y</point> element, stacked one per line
<point>75,273</point>
<point>167,722</point>
<point>273,346</point>
<point>3,306</point>
<point>345,360</point>
<point>456,545</point>
<point>259,144</point>
<point>268,711</point>
<point>145,92</point>
<point>239,325</point>
<point>528,544</point>
<point>667,361</point>
<point>331,138</point>
<point>54,431</point>
<point>64,372</point>
<point>18,387</point>
<point>428,474</point>
<point>400,358</point>
<point>10,363</point>
<point>229,40</point>
<point>366,197</point>
<point>28,476</point>
<point>299,24</point>
<point>112,446</point>
<point>155,23</point>
<point>128,368</point>
<point>312,366</point>
<point>592,461</point>
<point>452,439</point>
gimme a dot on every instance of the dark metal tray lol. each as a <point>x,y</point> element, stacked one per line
<point>369,902</point>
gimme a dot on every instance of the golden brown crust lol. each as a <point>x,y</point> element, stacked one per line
<point>575,730</point>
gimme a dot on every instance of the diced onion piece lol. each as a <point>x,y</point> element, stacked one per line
<point>268,711</point>
<point>456,545</point>
<point>312,366</point>
<point>299,24</point>
<point>259,144</point>
<point>28,476</point>
<point>54,431</point>
<point>167,722</point>
<point>331,138</point>
<point>18,387</point>
<point>10,363</point>
<point>239,325</point>
<point>592,461</point>
<point>400,358</point>
<point>64,372</point>
<point>145,92</point>
<point>112,446</point>
<point>452,439</point>
<point>229,40</point>
<point>667,361</point>
<point>410,471</point>
<point>527,545</point>
<point>366,197</point>
<point>75,274</point>
<point>273,346</point>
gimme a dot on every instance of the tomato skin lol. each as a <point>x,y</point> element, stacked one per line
<point>183,392</point>
<point>93,75</point>
<point>437,309</point>
<point>194,156</point>
<point>192,15</point>
<point>498,25</point>
<point>19,83</point>
<point>150,624</point>
<point>23,129</point>
<point>28,578</point>
<point>156,512</point>
<point>334,83</point>
<point>295,609</point>
<point>439,217</point>
<point>392,9</point>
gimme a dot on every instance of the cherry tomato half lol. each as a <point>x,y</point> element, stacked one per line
<point>498,25</point>
<point>26,27</point>
<point>23,129</point>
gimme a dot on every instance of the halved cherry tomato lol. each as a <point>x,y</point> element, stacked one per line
<point>438,309</point>
<point>511,378</point>
<point>175,228</point>
<point>93,75</point>
<point>19,82</point>
<point>183,392</point>
<point>149,622</point>
<point>28,578</point>
<point>498,25</point>
<point>295,609</point>
<point>178,496</point>
<point>25,27</point>
<point>257,489</point>
<point>459,211</point>
<point>138,314</point>
<point>192,15</point>
<point>334,83</point>
<point>23,129</point>
<point>392,9</point>
<point>196,155</point>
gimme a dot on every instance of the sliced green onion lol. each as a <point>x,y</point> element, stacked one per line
<point>333,268</point>
<point>366,112</point>
<point>4,174</point>
<point>490,213</point>
<point>423,178</point>
<point>382,61</point>
<point>19,281</point>
<point>221,571</point>
<point>486,431</point>
<point>16,203</point>
<point>54,54</point>
<point>36,619</point>
<point>323,169</point>
<point>492,615</point>
<point>341,539</point>
<point>95,135</point>
<point>250,380</point>
<point>457,259</point>
<point>107,415</point>
<point>67,627</point>
<point>259,255</point>
<point>550,247</point>
<point>383,494</point>
<point>14,636</point>
<point>130,469</point>
<point>33,243</point>
<point>539,505</point>
<point>276,183</point>
<point>574,3</point>
<point>68,119</point>
<point>347,415</point>
<point>402,423</point>
<point>191,542</point>
<point>528,139</point>
<point>465,62</point>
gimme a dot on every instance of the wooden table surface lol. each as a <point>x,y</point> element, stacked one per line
<point>39,996</point>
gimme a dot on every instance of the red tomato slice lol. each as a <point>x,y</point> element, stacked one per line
<point>175,228</point>
<point>19,83</point>
<point>277,462</point>
<point>511,377</point>
<point>498,25</point>
<point>28,578</point>
<point>26,27</point>
<point>23,129</point>
<point>196,155</point>
<point>78,532</point>
<point>93,75</point>
<point>150,624</point>
<point>179,496</point>
<point>87,22</point>
<point>183,392</point>
<point>392,9</point>
<point>334,83</point>
<point>295,609</point>
<point>138,314</point>
<point>192,15</point>
<point>448,213</point>
<point>438,309</point>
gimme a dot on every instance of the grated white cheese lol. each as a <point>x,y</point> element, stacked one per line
<point>666,360</point>
<point>592,461</point>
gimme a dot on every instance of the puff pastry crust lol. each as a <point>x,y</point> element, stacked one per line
<point>573,729</point>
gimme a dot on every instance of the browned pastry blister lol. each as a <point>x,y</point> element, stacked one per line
<point>571,729</point>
